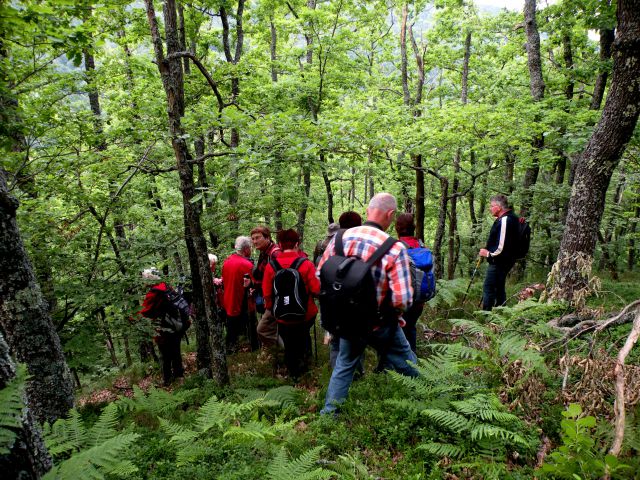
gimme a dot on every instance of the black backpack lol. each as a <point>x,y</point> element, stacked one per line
<point>175,315</point>
<point>348,292</point>
<point>521,247</point>
<point>290,295</point>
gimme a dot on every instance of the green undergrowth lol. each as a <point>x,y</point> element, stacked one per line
<point>485,405</point>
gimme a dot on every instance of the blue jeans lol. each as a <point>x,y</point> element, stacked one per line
<point>391,345</point>
<point>493,290</point>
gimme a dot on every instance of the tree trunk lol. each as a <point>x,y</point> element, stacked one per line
<point>419,210</point>
<point>328,188</point>
<point>607,36</point>
<point>442,219</point>
<point>600,158</point>
<point>306,184</point>
<point>28,457</point>
<point>26,322</point>
<point>172,80</point>
<point>108,338</point>
<point>536,86</point>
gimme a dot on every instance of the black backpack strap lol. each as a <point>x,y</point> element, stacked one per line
<point>338,245</point>
<point>382,249</point>
<point>275,265</point>
<point>297,262</point>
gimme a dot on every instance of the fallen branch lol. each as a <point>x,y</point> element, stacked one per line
<point>620,396</point>
<point>626,315</point>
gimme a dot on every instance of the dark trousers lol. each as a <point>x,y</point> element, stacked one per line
<point>243,324</point>
<point>411,316</point>
<point>297,346</point>
<point>493,290</point>
<point>169,346</point>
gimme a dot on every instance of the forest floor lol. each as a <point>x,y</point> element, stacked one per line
<point>490,403</point>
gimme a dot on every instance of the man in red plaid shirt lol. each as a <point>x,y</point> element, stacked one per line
<point>394,292</point>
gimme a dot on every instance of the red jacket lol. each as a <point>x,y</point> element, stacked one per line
<point>307,272</point>
<point>233,270</point>
<point>152,308</point>
<point>412,242</point>
<point>152,303</point>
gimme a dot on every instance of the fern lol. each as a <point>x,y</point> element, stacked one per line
<point>11,406</point>
<point>156,402</point>
<point>94,452</point>
<point>443,449</point>
<point>105,427</point>
<point>448,292</point>
<point>485,407</point>
<point>482,430</point>
<point>65,435</point>
<point>470,326</point>
<point>349,467</point>
<point>98,461</point>
<point>301,468</point>
<point>450,420</point>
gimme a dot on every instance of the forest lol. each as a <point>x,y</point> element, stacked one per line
<point>149,134</point>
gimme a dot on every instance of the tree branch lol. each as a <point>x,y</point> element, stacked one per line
<point>212,83</point>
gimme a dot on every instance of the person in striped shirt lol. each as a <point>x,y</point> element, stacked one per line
<point>394,294</point>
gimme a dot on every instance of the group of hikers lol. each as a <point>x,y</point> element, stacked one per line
<point>371,289</point>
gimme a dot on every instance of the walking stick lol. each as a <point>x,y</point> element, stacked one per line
<point>473,276</point>
<point>315,340</point>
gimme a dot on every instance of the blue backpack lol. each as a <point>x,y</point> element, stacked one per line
<point>425,280</point>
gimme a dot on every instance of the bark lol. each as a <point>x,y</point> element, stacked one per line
<point>403,56</point>
<point>416,159</point>
<point>442,219</point>
<point>127,349</point>
<point>453,219</point>
<point>235,93</point>
<point>536,82</point>
<point>172,80</point>
<point>26,322</point>
<point>272,48</point>
<point>28,457</point>
<point>536,86</point>
<point>328,188</point>
<point>454,241</point>
<point>509,167</point>
<point>633,225</point>
<point>419,213</point>
<point>108,338</point>
<point>568,63</point>
<point>607,37</point>
<point>601,156</point>
<point>306,185</point>
<point>182,38</point>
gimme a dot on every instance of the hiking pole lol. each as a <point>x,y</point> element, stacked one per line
<point>473,276</point>
<point>315,340</point>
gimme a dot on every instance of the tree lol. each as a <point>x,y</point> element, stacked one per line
<point>26,322</point>
<point>27,457</point>
<point>209,325</point>
<point>599,160</point>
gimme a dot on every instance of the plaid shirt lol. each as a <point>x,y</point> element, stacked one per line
<point>391,272</point>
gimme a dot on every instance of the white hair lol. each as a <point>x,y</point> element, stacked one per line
<point>151,274</point>
<point>212,258</point>
<point>383,201</point>
<point>242,242</point>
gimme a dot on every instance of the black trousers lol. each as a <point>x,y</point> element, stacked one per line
<point>243,324</point>
<point>493,290</point>
<point>411,316</point>
<point>297,346</point>
<point>169,346</point>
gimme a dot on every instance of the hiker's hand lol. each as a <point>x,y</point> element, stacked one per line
<point>484,252</point>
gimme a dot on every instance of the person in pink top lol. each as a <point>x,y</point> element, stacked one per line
<point>236,271</point>
<point>295,335</point>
